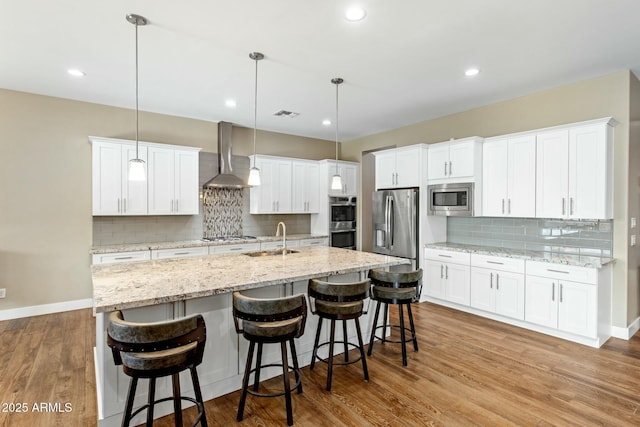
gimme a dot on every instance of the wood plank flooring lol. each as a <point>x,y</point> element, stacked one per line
<point>469,371</point>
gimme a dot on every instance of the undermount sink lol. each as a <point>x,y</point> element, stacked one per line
<point>272,252</point>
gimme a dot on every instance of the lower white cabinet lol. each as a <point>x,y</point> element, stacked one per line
<point>497,285</point>
<point>240,247</point>
<point>117,257</point>
<point>314,241</point>
<point>447,275</point>
<point>179,252</point>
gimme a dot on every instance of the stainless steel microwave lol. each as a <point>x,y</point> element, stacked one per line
<point>451,199</point>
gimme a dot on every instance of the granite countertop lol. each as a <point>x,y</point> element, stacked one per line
<point>130,247</point>
<point>144,283</point>
<point>557,255</point>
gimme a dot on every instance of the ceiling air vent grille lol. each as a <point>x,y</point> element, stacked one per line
<point>285,113</point>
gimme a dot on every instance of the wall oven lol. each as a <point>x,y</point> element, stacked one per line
<point>342,222</point>
<point>451,199</point>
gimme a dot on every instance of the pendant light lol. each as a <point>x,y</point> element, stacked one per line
<point>336,181</point>
<point>254,172</point>
<point>136,166</point>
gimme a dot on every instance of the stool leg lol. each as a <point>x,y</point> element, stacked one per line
<point>361,348</point>
<point>256,378</point>
<point>344,337</point>
<point>131,394</point>
<point>245,381</point>
<point>285,379</point>
<point>413,328</point>
<point>373,328</point>
<point>151,398</point>
<point>177,404</point>
<point>330,359</point>
<point>296,367</point>
<point>402,337</point>
<point>198,393</point>
<point>385,314</point>
<point>315,344</point>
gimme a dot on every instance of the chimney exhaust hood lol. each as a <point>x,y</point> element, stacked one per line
<point>225,177</point>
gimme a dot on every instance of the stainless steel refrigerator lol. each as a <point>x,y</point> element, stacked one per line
<point>395,223</point>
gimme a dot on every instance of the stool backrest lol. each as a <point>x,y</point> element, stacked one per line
<point>269,310</point>
<point>337,292</point>
<point>398,279</point>
<point>148,337</point>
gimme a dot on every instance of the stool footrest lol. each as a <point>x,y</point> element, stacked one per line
<point>385,339</point>
<point>326,360</point>
<point>168,399</point>
<point>282,393</point>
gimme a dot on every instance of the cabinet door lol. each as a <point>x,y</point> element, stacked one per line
<point>495,177</point>
<point>299,187</point>
<point>438,161</point>
<point>552,174</point>
<point>521,179</point>
<point>482,295</point>
<point>107,178</point>
<point>134,193</point>
<point>588,181</point>
<point>312,187</point>
<point>385,169</point>
<point>509,294</point>
<point>458,281</point>
<point>408,167</point>
<point>541,301</point>
<point>262,198</point>
<point>434,279</point>
<point>187,198</point>
<point>350,179</point>
<point>283,186</point>
<point>161,177</point>
<point>461,159</point>
<point>577,308</point>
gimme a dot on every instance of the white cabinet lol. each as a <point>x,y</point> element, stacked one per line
<point>455,160</point>
<point>273,195</point>
<point>277,244</point>
<point>497,285</point>
<point>447,275</point>
<point>173,181</point>
<point>509,176</point>
<point>113,193</point>
<point>574,171</point>
<point>237,248</point>
<point>314,241</point>
<point>117,257</point>
<point>399,167</point>
<point>305,191</point>
<point>348,171</point>
<point>179,252</point>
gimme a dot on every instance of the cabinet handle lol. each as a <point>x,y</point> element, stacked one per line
<point>553,291</point>
<point>273,206</point>
<point>118,205</point>
<point>563,207</point>
<point>495,262</point>
<point>171,206</point>
<point>446,272</point>
<point>503,206</point>
<point>181,253</point>
<point>509,206</point>
<point>235,249</point>
<point>445,168</point>
<point>177,205</point>
<point>557,271</point>
<point>491,281</point>
<point>560,291</point>
<point>497,281</point>
<point>450,168</point>
<point>570,205</point>
<point>124,202</point>
<point>278,206</point>
<point>123,257</point>
<point>444,256</point>
<point>441,271</point>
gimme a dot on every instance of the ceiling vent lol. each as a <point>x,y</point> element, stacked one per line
<point>285,113</point>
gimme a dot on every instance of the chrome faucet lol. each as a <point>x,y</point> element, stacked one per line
<point>284,235</point>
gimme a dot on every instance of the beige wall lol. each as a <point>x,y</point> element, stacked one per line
<point>45,195</point>
<point>633,291</point>
<point>601,97</point>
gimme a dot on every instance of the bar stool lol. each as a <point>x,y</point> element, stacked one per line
<point>338,301</point>
<point>401,289</point>
<point>154,350</point>
<point>269,321</point>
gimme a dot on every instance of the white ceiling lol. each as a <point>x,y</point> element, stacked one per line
<point>403,64</point>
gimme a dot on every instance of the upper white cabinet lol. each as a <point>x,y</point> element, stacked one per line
<point>399,167</point>
<point>305,197</point>
<point>454,160</point>
<point>113,193</point>
<point>273,195</point>
<point>173,181</point>
<point>509,176</point>
<point>574,171</point>
<point>171,187</point>
<point>348,171</point>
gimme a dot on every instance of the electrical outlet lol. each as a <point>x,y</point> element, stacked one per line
<point>633,222</point>
<point>3,293</point>
<point>633,240</point>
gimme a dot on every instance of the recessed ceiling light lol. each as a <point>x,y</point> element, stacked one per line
<point>471,72</point>
<point>326,122</point>
<point>76,73</point>
<point>355,13</point>
<point>231,103</point>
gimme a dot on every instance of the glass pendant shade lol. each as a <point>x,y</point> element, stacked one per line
<point>254,176</point>
<point>336,182</point>
<point>136,170</point>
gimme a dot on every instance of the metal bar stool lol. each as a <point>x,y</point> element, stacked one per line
<point>338,301</point>
<point>154,350</point>
<point>268,321</point>
<point>401,289</point>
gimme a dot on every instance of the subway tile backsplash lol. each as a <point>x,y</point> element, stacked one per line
<point>584,237</point>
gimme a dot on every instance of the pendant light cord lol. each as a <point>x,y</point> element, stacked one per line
<point>137,90</point>
<point>255,113</point>
<point>337,84</point>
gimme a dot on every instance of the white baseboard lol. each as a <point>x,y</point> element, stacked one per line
<point>626,333</point>
<point>37,310</point>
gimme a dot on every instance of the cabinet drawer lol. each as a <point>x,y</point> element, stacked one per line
<point>278,244</point>
<point>117,257</point>
<point>179,252</point>
<point>314,242</point>
<point>239,248</point>
<point>447,256</point>
<point>561,271</point>
<point>513,265</point>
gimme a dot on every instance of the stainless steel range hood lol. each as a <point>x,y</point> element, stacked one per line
<point>225,177</point>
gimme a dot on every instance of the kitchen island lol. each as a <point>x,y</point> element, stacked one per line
<point>165,289</point>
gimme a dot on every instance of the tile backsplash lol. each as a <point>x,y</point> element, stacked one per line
<point>222,209</point>
<point>584,237</point>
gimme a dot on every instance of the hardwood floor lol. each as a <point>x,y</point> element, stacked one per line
<point>469,371</point>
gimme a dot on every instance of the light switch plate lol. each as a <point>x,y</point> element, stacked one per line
<point>3,293</point>
<point>633,240</point>
<point>633,222</point>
